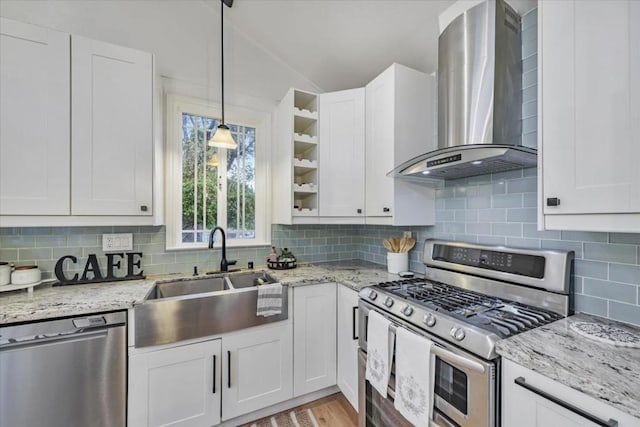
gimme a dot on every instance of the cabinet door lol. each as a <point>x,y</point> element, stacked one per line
<point>348,344</point>
<point>34,120</point>
<point>380,107</point>
<point>342,153</point>
<point>522,407</point>
<point>590,65</point>
<point>314,332</point>
<point>112,133</point>
<point>257,369</point>
<point>179,386</point>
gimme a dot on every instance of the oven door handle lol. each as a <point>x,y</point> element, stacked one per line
<point>446,355</point>
<point>457,360</point>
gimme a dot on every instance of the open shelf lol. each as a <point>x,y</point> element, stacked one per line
<point>305,188</point>
<point>305,101</point>
<point>305,151</point>
<point>305,114</point>
<point>304,138</point>
<point>305,126</point>
<point>305,204</point>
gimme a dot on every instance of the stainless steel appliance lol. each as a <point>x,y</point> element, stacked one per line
<point>471,296</point>
<point>63,373</point>
<point>479,97</point>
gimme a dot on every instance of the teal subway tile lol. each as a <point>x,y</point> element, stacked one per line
<point>583,236</point>
<point>479,179</point>
<point>506,229</point>
<point>311,233</point>
<point>186,257</point>
<point>451,227</point>
<point>519,242</point>
<point>481,202</point>
<point>530,140</point>
<point>530,19</point>
<point>563,246</point>
<point>465,191</point>
<point>455,203</point>
<point>35,254</point>
<point>36,231</point>
<point>8,255</point>
<point>466,215</point>
<point>530,78</point>
<point>479,228</point>
<point>141,239</point>
<point>530,48</point>
<point>126,229</point>
<point>60,252</point>
<point>468,238</point>
<point>51,241</point>
<point>444,193</point>
<point>610,290</point>
<point>150,270</point>
<point>168,258</point>
<point>594,269</point>
<point>524,185</point>
<point>528,215</point>
<point>531,230</point>
<point>591,305</point>
<point>528,64</point>
<point>530,172</point>
<point>92,250</point>
<point>530,93</point>
<point>12,241</point>
<point>507,175</point>
<point>455,182</point>
<point>153,248</point>
<point>625,238</point>
<point>443,236</point>
<point>611,252</point>
<point>492,215</point>
<point>151,229</point>
<point>492,240</point>
<point>83,240</point>
<point>507,201</point>
<point>530,200</point>
<point>624,312</point>
<point>491,189</point>
<point>624,273</point>
<point>530,124</point>
<point>577,284</point>
<point>9,231</point>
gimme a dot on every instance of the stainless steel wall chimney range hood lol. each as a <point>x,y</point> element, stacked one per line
<point>479,98</point>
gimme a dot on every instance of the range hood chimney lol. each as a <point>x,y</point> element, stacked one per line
<point>479,96</point>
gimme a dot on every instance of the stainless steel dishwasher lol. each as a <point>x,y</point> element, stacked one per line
<point>66,372</point>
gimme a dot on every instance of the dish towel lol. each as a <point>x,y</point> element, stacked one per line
<point>269,300</point>
<point>379,352</point>
<point>413,377</point>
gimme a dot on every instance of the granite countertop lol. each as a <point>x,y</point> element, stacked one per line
<point>598,369</point>
<point>49,302</point>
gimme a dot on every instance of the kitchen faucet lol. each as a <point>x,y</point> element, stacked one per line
<point>224,264</point>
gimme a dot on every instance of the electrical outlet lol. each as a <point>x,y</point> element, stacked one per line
<point>407,234</point>
<point>117,242</point>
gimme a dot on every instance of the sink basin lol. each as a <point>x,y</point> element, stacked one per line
<point>249,279</point>
<point>188,287</point>
<point>188,309</point>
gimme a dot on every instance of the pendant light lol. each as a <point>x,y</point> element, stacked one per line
<point>223,138</point>
<point>213,161</point>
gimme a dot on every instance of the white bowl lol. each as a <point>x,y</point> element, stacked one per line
<point>25,275</point>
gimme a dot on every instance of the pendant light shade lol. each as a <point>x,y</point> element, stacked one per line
<point>223,138</point>
<point>213,161</point>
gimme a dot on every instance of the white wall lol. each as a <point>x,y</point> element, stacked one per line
<point>184,35</point>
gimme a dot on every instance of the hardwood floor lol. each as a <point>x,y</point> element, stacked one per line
<point>333,410</point>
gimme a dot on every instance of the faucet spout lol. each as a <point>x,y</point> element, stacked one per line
<point>224,263</point>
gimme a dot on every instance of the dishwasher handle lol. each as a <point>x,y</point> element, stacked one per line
<point>78,335</point>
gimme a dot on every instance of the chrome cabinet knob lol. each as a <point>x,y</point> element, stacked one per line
<point>429,320</point>
<point>373,294</point>
<point>388,302</point>
<point>457,333</point>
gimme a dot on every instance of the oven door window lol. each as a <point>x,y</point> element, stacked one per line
<point>451,385</point>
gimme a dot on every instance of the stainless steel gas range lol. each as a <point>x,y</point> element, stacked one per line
<point>471,296</point>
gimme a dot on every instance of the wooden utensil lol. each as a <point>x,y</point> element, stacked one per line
<point>395,243</point>
<point>387,244</point>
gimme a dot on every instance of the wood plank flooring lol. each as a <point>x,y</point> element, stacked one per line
<point>333,410</point>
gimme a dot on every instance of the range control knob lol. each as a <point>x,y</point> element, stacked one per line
<point>373,294</point>
<point>457,333</point>
<point>388,302</point>
<point>407,310</point>
<point>429,320</point>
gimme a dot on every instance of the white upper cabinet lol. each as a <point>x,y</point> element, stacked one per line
<point>400,120</point>
<point>112,146</point>
<point>590,110</point>
<point>34,120</point>
<point>342,153</point>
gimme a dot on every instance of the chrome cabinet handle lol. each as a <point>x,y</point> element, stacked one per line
<point>523,383</point>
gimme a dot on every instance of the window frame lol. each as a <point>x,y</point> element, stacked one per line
<point>176,105</point>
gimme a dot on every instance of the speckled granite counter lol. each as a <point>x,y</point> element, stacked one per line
<point>600,370</point>
<point>49,302</point>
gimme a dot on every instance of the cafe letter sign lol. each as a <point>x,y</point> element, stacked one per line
<point>92,273</point>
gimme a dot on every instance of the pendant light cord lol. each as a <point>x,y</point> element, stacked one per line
<point>222,54</point>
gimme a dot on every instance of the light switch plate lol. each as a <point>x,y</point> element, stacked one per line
<point>407,234</point>
<point>117,242</point>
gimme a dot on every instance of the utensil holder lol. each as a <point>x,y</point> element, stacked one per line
<point>397,262</point>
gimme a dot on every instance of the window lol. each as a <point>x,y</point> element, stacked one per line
<point>209,186</point>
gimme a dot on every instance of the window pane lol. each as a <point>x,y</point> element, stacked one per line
<point>241,185</point>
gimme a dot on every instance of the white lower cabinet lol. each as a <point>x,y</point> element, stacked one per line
<point>178,386</point>
<point>348,344</point>
<point>256,369</point>
<point>314,335</point>
<point>528,401</point>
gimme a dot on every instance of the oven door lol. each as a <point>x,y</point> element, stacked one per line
<point>464,389</point>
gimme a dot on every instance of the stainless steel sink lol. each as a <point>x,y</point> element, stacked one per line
<point>248,279</point>
<point>186,309</point>
<point>188,287</point>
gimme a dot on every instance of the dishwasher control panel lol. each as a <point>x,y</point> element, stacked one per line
<point>89,322</point>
